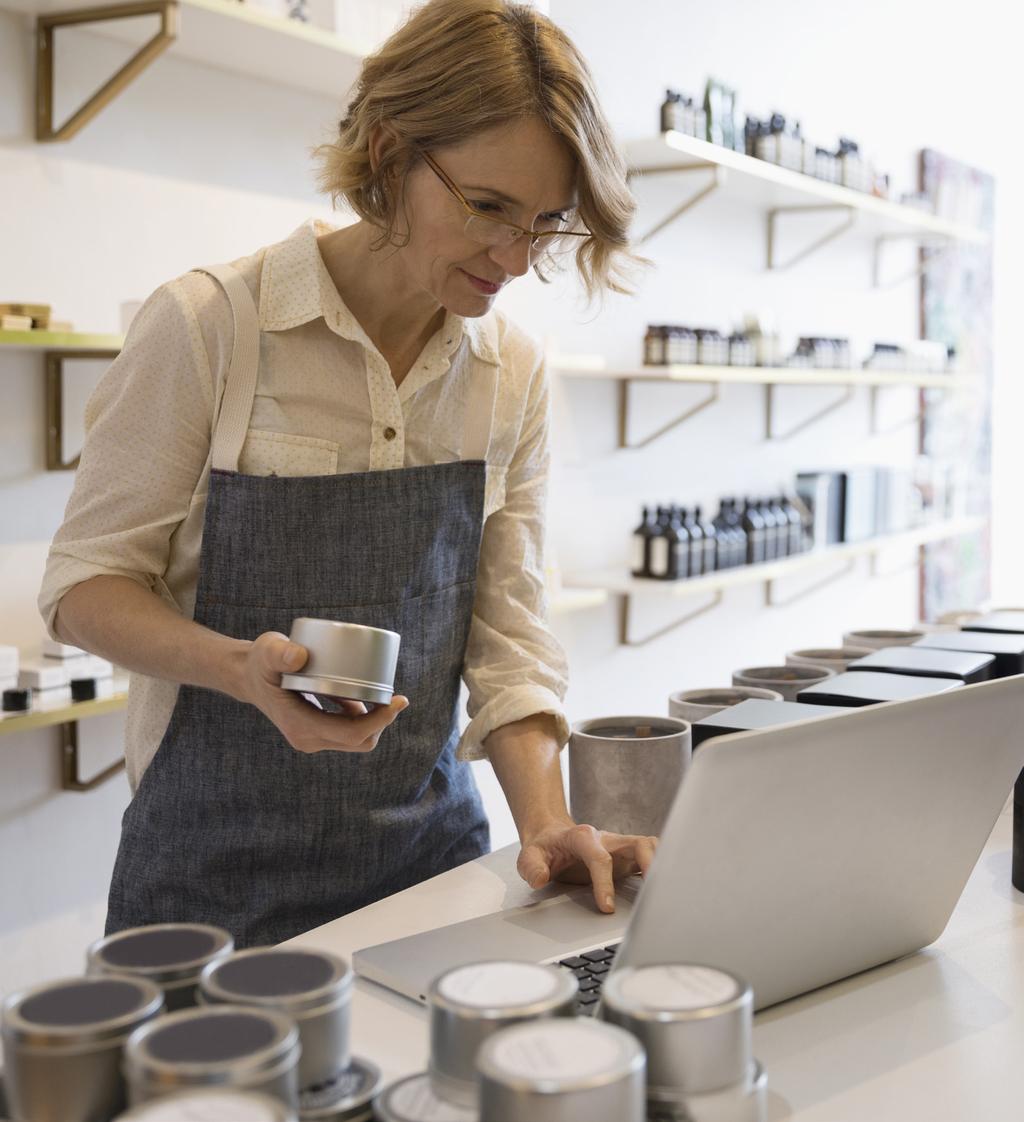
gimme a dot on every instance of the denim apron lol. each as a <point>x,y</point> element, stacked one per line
<point>232,826</point>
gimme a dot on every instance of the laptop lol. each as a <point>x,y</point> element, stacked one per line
<point>793,856</point>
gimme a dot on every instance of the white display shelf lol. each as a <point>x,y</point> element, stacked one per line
<point>31,341</point>
<point>235,37</point>
<point>614,581</point>
<point>568,600</point>
<point>759,182</point>
<point>761,375</point>
<point>60,710</point>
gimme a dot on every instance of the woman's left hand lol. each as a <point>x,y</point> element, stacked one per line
<point>580,854</point>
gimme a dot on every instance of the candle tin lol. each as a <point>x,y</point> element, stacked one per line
<point>695,1024</point>
<point>172,955</point>
<point>875,640</point>
<point>695,705</point>
<point>836,659</point>
<point>212,1104</point>
<point>348,1097</point>
<point>346,660</point>
<point>63,1043</point>
<point>471,1003</point>
<point>224,1045</point>
<point>786,680</point>
<point>312,987</point>
<point>413,1099</point>
<point>562,1070</point>
<point>624,771</point>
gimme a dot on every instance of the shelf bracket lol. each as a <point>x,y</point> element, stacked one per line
<point>624,403</point>
<point>769,412</point>
<point>717,178</point>
<point>47,25</point>
<point>70,778</point>
<point>774,261</point>
<point>875,570</point>
<point>627,640</point>
<point>940,246</point>
<point>913,419</point>
<point>771,600</point>
<point>55,404</point>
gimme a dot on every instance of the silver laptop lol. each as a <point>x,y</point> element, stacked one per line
<point>794,856</point>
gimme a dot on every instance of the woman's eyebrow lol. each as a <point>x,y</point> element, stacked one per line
<point>514,202</point>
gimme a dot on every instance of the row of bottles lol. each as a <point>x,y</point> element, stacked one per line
<point>673,543</point>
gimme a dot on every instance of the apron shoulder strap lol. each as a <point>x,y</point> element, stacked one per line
<point>232,421</point>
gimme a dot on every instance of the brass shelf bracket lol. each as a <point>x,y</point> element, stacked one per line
<point>771,600</point>
<point>770,432</point>
<point>70,778</point>
<point>55,404</point>
<point>627,640</point>
<point>624,411</point>
<point>774,261</point>
<point>717,178</point>
<point>47,25</point>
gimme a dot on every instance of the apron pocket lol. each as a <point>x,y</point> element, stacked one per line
<point>281,453</point>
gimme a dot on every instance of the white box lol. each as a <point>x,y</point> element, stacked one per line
<point>53,649</point>
<point>43,675</point>
<point>91,666</point>
<point>8,662</point>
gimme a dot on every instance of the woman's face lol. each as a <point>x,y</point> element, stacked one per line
<point>518,173</point>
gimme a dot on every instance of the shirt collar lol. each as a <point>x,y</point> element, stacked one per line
<point>295,288</point>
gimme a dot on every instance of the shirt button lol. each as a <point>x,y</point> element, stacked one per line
<point>389,433</point>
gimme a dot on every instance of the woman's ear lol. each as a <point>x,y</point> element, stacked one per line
<point>382,138</point>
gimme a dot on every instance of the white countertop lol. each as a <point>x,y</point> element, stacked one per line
<point>936,1036</point>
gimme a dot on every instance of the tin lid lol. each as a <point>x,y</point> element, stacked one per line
<point>347,1098</point>
<point>413,1099</point>
<point>559,1055</point>
<point>674,992</point>
<point>210,1104</point>
<point>490,990</point>
<point>207,1043</point>
<point>164,952</point>
<point>291,980</point>
<point>80,1011</point>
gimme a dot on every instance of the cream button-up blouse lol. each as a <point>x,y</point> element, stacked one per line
<point>325,402</point>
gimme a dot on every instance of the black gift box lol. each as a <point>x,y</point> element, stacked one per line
<point>749,716</point>
<point>1007,648</point>
<point>963,665</point>
<point>867,687</point>
<point>998,621</point>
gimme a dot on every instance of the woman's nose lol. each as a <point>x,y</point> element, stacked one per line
<point>516,258</point>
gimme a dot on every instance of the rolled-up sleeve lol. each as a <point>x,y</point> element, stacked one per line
<point>147,442</point>
<point>514,667</point>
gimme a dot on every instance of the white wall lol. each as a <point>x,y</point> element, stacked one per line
<point>194,166</point>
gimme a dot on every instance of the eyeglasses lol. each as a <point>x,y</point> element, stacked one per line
<point>552,240</point>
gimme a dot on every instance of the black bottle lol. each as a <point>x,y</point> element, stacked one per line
<point>781,527</point>
<point>708,541</point>
<point>642,544</point>
<point>678,546</point>
<point>753,523</point>
<point>796,525</point>
<point>660,547</point>
<point>725,553</point>
<point>739,534</point>
<point>771,530</point>
<point>695,537</point>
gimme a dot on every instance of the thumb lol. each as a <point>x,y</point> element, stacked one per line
<point>293,656</point>
<point>533,868</point>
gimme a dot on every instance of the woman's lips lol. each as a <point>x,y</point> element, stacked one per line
<point>481,285</point>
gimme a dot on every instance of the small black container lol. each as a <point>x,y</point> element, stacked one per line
<point>83,689</point>
<point>867,687</point>
<point>17,701</point>
<point>964,666</point>
<point>749,716</point>
<point>1006,648</point>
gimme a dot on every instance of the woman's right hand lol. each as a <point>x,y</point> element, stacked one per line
<point>306,728</point>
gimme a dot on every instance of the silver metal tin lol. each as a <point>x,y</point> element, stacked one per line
<point>627,783</point>
<point>562,1070</point>
<point>414,1099</point>
<point>694,1022</point>
<point>744,1102</point>
<point>786,680</point>
<point>63,1043</point>
<point>223,1045</point>
<point>346,660</point>
<point>347,1098</point>
<point>314,988</point>
<point>172,955</point>
<point>471,1003</point>
<point>876,640</point>
<point>695,705</point>
<point>210,1104</point>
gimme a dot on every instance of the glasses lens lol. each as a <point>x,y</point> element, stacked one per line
<point>554,245</point>
<point>488,232</point>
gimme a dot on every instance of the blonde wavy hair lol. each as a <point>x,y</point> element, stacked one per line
<point>456,68</point>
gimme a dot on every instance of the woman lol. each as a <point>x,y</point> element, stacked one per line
<point>304,433</point>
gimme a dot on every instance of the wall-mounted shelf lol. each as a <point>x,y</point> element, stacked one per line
<point>568,600</point>
<point>30,341</point>
<point>782,194</point>
<point>217,33</point>
<point>618,583</point>
<point>45,713</point>
<point>767,376</point>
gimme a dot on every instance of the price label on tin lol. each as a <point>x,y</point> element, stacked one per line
<point>561,1050</point>
<point>202,1106</point>
<point>413,1100</point>
<point>678,987</point>
<point>489,985</point>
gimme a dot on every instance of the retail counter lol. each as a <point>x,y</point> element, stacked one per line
<point>938,1035</point>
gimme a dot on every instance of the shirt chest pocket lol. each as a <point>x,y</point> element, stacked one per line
<point>281,453</point>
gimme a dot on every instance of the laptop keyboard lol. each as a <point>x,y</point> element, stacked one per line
<point>590,969</point>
